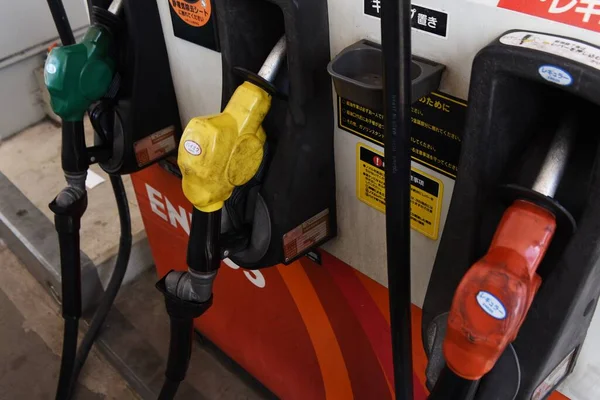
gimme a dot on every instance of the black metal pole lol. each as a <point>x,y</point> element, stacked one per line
<point>62,22</point>
<point>396,46</point>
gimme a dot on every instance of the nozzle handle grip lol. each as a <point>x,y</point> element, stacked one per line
<point>493,298</point>
<point>203,247</point>
<point>73,155</point>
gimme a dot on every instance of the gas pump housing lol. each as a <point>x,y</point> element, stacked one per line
<point>289,207</point>
<point>143,118</point>
<point>521,83</point>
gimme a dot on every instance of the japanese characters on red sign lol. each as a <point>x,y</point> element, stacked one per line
<point>581,13</point>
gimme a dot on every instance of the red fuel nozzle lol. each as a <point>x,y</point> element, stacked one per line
<point>493,298</point>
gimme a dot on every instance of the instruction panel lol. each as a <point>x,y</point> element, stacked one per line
<point>438,120</point>
<point>426,192</point>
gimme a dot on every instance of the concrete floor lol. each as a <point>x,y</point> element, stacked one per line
<point>31,161</point>
<point>31,340</point>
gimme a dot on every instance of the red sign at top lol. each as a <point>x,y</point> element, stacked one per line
<point>581,13</point>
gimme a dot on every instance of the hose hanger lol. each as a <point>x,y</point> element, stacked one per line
<point>494,296</point>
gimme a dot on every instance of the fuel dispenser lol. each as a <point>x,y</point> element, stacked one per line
<point>518,261</point>
<point>217,154</point>
<point>118,75</point>
<point>288,208</point>
<point>260,174</point>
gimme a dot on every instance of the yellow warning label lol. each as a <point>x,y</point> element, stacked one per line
<point>427,192</point>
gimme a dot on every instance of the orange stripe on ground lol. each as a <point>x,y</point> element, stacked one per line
<point>367,377</point>
<point>377,292</point>
<point>380,296</point>
<point>372,321</point>
<point>558,396</point>
<point>329,355</point>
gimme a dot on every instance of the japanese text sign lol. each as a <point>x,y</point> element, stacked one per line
<point>421,18</point>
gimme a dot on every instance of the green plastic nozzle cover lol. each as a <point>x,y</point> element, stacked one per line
<point>80,74</point>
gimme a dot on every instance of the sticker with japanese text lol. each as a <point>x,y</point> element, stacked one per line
<point>438,120</point>
<point>426,192</point>
<point>421,18</point>
<point>560,46</point>
<point>582,13</point>
<point>195,21</point>
<point>195,13</point>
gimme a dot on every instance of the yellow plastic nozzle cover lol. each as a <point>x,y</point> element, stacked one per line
<point>219,152</point>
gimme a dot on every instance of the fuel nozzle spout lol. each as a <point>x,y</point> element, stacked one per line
<point>274,61</point>
<point>493,298</point>
<point>556,159</point>
<point>116,7</point>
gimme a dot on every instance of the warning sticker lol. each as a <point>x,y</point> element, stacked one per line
<point>192,12</point>
<point>155,146</point>
<point>438,120</point>
<point>555,377</point>
<point>194,21</point>
<point>582,13</point>
<point>426,192</point>
<point>306,235</point>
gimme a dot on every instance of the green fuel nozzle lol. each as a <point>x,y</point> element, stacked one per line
<point>80,74</point>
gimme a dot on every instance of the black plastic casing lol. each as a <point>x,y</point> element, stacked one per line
<point>299,177</point>
<point>357,74</point>
<point>146,101</point>
<point>512,116</point>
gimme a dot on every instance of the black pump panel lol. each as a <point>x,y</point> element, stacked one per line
<point>297,180</point>
<point>513,113</point>
<point>145,120</point>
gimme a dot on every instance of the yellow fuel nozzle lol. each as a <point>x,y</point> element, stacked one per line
<point>219,152</point>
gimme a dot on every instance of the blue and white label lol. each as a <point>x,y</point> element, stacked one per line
<point>192,147</point>
<point>491,305</point>
<point>555,75</point>
<point>50,68</point>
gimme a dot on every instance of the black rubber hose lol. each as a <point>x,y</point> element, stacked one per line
<point>180,351</point>
<point>451,386</point>
<point>62,22</point>
<point>67,362</point>
<point>67,224</point>
<point>396,47</point>
<point>169,390</point>
<point>115,282</point>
